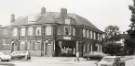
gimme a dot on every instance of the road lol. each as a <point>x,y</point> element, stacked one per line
<point>63,61</point>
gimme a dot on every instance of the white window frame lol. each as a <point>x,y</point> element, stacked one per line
<point>68,21</point>
<point>94,35</point>
<point>74,31</point>
<point>15,32</point>
<point>87,33</point>
<point>23,31</point>
<point>30,31</point>
<point>84,32</point>
<point>38,28</point>
<point>48,30</point>
<point>69,30</point>
<point>91,34</point>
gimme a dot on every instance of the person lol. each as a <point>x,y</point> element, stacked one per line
<point>77,56</point>
<point>12,46</point>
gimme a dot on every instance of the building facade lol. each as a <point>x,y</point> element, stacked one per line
<point>55,34</point>
<point>5,38</point>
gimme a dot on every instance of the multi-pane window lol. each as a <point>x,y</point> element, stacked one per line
<point>91,34</point>
<point>67,21</point>
<point>84,33</point>
<point>15,32</point>
<point>94,35</point>
<point>23,31</point>
<point>22,45</point>
<point>100,37</point>
<point>87,33</point>
<point>97,36</point>
<point>38,31</point>
<point>67,30</point>
<point>59,30</point>
<point>30,31</point>
<point>37,45</point>
<point>74,31</point>
<point>48,30</point>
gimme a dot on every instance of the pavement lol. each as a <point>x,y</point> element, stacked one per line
<point>53,61</point>
<point>56,60</point>
<point>64,61</point>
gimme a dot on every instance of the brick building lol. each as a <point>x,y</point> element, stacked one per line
<point>5,37</point>
<point>55,34</point>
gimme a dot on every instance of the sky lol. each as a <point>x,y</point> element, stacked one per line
<point>100,12</point>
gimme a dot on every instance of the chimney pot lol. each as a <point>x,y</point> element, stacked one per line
<point>63,12</point>
<point>43,10</point>
<point>12,18</point>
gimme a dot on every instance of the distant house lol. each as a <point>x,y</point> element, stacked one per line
<point>118,39</point>
<point>55,34</point>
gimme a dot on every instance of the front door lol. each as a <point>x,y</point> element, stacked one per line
<point>49,50</point>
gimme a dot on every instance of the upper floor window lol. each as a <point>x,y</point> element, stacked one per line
<point>38,31</point>
<point>87,33</point>
<point>91,33</point>
<point>67,30</point>
<point>84,33</point>
<point>67,21</point>
<point>30,31</point>
<point>23,31</point>
<point>74,31</point>
<point>15,32</point>
<point>94,35</point>
<point>48,30</point>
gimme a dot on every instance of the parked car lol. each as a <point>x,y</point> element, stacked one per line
<point>111,61</point>
<point>21,55</point>
<point>4,57</point>
<point>95,55</point>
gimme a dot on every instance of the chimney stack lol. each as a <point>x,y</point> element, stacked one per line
<point>63,12</point>
<point>12,18</point>
<point>43,11</point>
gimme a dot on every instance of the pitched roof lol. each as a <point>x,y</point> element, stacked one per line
<point>53,17</point>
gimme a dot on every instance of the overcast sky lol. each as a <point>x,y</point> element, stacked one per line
<point>100,12</point>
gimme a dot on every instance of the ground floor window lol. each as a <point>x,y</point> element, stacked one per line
<point>37,45</point>
<point>22,45</point>
<point>65,48</point>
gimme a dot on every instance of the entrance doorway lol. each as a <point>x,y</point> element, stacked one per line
<point>65,48</point>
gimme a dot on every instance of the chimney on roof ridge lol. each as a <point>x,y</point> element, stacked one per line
<point>43,11</point>
<point>12,18</point>
<point>63,12</point>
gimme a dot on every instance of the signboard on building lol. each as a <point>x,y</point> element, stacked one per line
<point>67,38</point>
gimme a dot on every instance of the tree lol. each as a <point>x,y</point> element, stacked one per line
<point>130,42</point>
<point>111,31</point>
<point>110,45</point>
